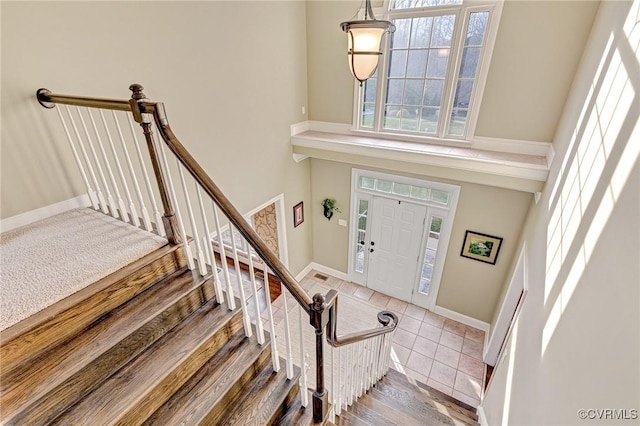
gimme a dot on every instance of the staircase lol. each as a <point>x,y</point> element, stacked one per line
<point>150,345</point>
<point>154,343</point>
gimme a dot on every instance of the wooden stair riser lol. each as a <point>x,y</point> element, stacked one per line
<point>163,369</point>
<point>24,347</point>
<point>49,398</point>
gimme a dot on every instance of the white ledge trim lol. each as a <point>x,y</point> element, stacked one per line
<point>411,152</point>
<point>512,146</point>
<point>44,212</point>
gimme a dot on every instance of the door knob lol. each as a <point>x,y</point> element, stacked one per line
<point>370,250</point>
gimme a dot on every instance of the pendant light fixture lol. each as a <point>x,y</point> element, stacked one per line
<point>364,39</point>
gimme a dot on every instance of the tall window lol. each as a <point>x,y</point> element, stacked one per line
<point>430,69</point>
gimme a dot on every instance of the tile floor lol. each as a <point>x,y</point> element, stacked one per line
<point>427,347</point>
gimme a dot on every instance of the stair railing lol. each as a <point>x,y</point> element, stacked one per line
<point>358,360</point>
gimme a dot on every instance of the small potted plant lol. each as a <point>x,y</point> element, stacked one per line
<point>329,205</point>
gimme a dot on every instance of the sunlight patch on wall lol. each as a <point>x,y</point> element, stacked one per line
<point>594,171</point>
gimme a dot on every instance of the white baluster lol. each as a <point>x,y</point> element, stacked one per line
<point>112,204</point>
<point>231,301</point>
<point>123,181</point>
<point>98,193</point>
<point>90,192</point>
<point>275,357</point>
<point>304,394</point>
<point>104,206</point>
<point>202,266</point>
<point>243,299</point>
<point>172,192</point>
<point>287,335</point>
<point>206,240</point>
<point>134,178</point>
<point>333,389</point>
<point>352,374</point>
<point>256,302</point>
<point>338,388</point>
<point>145,175</point>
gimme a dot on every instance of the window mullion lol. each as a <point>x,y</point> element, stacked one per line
<point>381,84</point>
<point>452,74</point>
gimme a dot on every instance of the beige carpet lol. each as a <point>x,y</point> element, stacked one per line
<point>44,262</point>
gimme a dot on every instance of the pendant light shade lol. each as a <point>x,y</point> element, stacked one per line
<point>364,38</point>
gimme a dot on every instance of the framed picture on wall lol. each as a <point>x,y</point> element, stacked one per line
<point>481,247</point>
<point>298,214</point>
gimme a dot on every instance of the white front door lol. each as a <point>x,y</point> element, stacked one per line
<point>394,246</point>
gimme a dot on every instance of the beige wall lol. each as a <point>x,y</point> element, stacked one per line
<point>469,287</point>
<point>576,342</point>
<point>537,49</point>
<point>231,95</point>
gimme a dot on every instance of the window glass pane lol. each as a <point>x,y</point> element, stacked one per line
<point>421,32</point>
<point>463,94</point>
<point>370,90</point>
<point>367,115</point>
<point>401,189</point>
<point>458,121</point>
<point>394,91</point>
<point>442,31</point>
<point>429,119</point>
<point>439,196</point>
<point>367,182</point>
<point>433,93</point>
<point>417,63</point>
<point>392,116</point>
<point>384,185</point>
<point>361,237</point>
<point>476,28</point>
<point>400,37</point>
<point>419,192</point>
<point>413,93</point>
<point>433,238</point>
<point>409,118</point>
<point>469,64</point>
<point>398,63</point>
<point>437,66</point>
<point>407,4</point>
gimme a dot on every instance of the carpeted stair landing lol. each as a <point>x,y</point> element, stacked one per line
<point>46,261</point>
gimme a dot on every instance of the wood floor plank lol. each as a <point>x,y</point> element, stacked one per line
<point>211,384</point>
<point>42,390</point>
<point>28,339</point>
<point>136,391</point>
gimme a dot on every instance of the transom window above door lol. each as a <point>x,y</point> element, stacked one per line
<point>432,71</point>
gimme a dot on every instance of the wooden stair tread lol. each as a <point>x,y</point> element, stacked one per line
<point>360,414</point>
<point>211,383</point>
<point>143,385</point>
<point>439,400</point>
<point>63,320</point>
<point>264,399</point>
<point>67,372</point>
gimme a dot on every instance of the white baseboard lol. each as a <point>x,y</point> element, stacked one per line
<point>482,418</point>
<point>44,212</point>
<point>323,269</point>
<point>464,319</point>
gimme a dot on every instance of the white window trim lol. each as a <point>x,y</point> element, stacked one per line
<point>445,233</point>
<point>482,73</point>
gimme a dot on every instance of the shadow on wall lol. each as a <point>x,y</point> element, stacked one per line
<point>585,276</point>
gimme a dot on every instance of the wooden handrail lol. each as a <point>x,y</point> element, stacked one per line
<point>388,319</point>
<point>322,310</point>
<point>48,100</point>
<point>230,211</point>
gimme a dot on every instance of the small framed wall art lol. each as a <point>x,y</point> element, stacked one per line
<point>298,214</point>
<point>481,247</point>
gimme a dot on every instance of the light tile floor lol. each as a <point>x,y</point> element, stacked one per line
<point>432,349</point>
